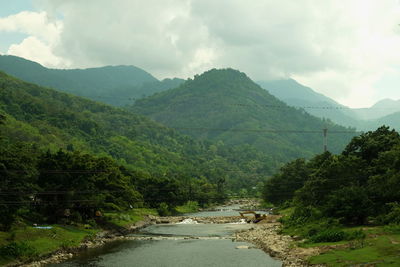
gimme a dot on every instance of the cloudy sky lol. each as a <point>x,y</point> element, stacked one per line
<point>348,50</point>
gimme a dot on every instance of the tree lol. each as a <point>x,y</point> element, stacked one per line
<point>281,187</point>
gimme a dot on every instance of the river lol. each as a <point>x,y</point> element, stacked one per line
<point>175,245</point>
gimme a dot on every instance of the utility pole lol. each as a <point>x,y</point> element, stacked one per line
<point>325,131</point>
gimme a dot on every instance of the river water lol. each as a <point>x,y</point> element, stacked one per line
<point>175,245</point>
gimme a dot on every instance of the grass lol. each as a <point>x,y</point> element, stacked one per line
<point>371,246</point>
<point>380,249</point>
<point>29,243</point>
<point>130,217</point>
<point>43,241</point>
<point>189,207</point>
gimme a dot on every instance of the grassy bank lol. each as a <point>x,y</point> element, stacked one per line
<point>381,247</point>
<point>23,243</point>
<point>346,246</point>
<point>130,217</point>
<point>189,207</point>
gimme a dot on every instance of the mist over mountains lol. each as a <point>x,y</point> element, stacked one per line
<point>319,105</point>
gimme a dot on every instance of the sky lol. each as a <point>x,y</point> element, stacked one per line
<point>346,50</point>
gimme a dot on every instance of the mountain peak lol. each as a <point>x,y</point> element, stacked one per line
<point>387,103</point>
<point>227,74</point>
<point>221,80</point>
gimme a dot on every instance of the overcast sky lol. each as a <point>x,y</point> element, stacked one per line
<point>347,50</point>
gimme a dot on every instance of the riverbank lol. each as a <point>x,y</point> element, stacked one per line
<point>34,246</point>
<point>98,240</point>
<point>266,237</point>
<point>116,227</point>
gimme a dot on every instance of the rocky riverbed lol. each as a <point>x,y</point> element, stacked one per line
<point>266,237</point>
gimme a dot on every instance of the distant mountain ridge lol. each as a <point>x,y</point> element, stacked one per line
<point>297,95</point>
<point>223,104</point>
<point>116,85</point>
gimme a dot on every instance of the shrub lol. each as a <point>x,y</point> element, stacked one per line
<point>329,235</point>
<point>163,209</point>
<point>17,250</point>
<point>357,234</point>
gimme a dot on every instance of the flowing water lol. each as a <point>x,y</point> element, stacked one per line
<point>174,245</point>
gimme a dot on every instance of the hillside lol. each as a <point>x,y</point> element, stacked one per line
<point>379,110</point>
<point>225,105</point>
<point>116,85</point>
<point>294,94</point>
<point>392,120</point>
<point>54,120</point>
<point>297,95</point>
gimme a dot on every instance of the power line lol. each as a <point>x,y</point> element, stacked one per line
<point>251,130</point>
<point>314,107</point>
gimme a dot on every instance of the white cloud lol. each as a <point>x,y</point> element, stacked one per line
<point>341,49</point>
<point>43,34</point>
<point>36,50</point>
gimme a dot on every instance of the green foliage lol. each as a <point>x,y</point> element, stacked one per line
<point>128,217</point>
<point>164,209</point>
<point>328,235</point>
<point>17,250</point>
<point>393,216</point>
<point>225,105</point>
<point>188,207</point>
<point>381,250</point>
<point>363,182</point>
<point>116,85</point>
<point>281,187</point>
<point>128,160</point>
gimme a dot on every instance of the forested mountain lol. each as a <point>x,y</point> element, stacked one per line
<point>116,85</point>
<point>297,95</point>
<point>54,120</point>
<point>225,105</point>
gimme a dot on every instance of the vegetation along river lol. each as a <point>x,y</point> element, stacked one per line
<point>183,244</point>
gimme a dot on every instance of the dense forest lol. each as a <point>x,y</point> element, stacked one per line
<point>359,186</point>
<point>225,105</point>
<point>58,149</point>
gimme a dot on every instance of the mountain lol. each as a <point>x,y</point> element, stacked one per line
<point>116,85</point>
<point>294,94</point>
<point>290,90</point>
<point>379,110</point>
<point>54,120</point>
<point>391,120</point>
<point>225,105</point>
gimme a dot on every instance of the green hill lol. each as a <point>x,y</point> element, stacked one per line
<point>225,105</point>
<point>53,120</point>
<point>116,85</point>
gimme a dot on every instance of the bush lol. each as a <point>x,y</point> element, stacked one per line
<point>357,234</point>
<point>393,216</point>
<point>163,209</point>
<point>17,250</point>
<point>329,235</point>
<point>392,228</point>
